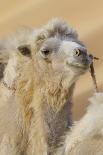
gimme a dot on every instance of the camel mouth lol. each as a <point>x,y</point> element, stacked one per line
<point>84,65</point>
<point>81,63</point>
<point>79,59</point>
<point>79,66</point>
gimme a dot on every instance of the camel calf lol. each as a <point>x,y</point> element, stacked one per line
<point>37,88</point>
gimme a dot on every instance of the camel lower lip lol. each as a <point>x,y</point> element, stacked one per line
<point>79,66</point>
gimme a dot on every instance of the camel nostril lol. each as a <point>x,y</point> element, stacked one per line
<point>77,52</point>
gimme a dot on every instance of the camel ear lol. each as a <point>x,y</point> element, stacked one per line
<point>25,50</point>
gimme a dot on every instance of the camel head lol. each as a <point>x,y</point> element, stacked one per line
<point>57,53</point>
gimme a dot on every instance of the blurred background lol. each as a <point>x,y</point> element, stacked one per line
<point>86,16</point>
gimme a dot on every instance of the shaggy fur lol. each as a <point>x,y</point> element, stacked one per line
<point>37,88</point>
<point>86,137</point>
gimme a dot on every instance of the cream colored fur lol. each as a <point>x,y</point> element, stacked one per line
<point>86,137</point>
<point>37,87</point>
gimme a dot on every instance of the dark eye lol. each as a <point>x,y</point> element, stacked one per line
<point>45,52</point>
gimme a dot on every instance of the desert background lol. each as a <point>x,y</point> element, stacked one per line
<point>86,16</point>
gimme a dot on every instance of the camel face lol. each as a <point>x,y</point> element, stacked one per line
<point>63,57</point>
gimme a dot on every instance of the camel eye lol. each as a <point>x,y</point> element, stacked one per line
<point>77,52</point>
<point>45,52</point>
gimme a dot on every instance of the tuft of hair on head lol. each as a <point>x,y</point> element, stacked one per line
<point>57,25</point>
<point>54,28</point>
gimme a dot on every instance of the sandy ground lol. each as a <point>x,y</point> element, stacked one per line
<point>84,15</point>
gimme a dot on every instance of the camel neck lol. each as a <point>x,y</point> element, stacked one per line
<point>57,123</point>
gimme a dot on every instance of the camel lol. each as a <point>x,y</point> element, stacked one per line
<point>36,88</point>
